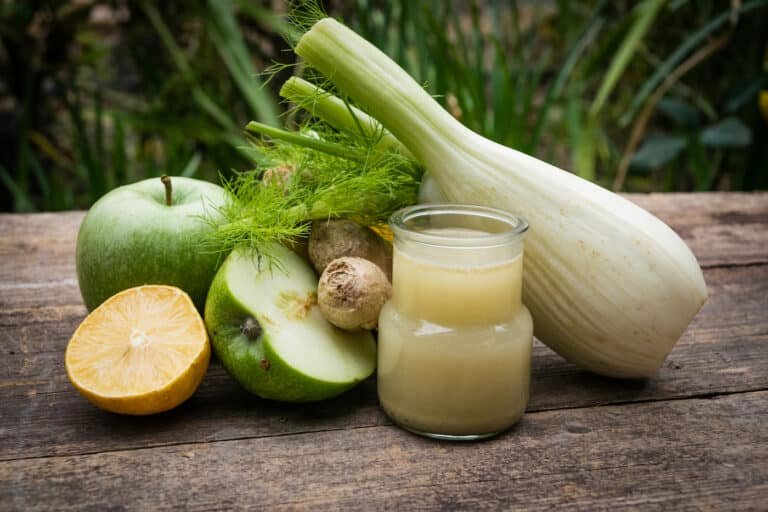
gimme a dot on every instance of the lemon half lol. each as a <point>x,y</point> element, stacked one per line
<point>144,350</point>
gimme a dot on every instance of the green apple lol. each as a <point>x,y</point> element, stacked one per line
<point>150,232</point>
<point>270,335</point>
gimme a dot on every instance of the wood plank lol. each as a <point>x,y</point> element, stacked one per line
<point>37,248</point>
<point>722,228</point>
<point>704,454</point>
<point>724,350</point>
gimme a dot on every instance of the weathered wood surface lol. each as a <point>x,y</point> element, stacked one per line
<point>694,437</point>
<point>706,454</point>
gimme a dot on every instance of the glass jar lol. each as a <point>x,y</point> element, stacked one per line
<point>455,339</point>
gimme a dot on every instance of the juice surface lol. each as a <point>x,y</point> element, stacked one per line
<point>456,291</point>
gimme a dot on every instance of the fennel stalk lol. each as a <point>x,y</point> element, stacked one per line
<point>312,174</point>
<point>610,286</point>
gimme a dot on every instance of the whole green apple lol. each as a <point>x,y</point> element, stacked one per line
<point>149,232</point>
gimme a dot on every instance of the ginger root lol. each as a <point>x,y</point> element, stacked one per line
<point>341,237</point>
<point>351,293</point>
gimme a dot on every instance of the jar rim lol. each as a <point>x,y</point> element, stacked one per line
<point>517,225</point>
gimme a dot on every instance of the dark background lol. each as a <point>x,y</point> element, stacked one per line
<point>637,96</point>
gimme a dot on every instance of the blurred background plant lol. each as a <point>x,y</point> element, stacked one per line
<point>639,96</point>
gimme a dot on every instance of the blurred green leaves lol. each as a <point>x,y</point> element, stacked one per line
<point>731,132</point>
<point>704,146</point>
<point>569,81</point>
<point>98,94</point>
<point>658,150</point>
<point>648,95</point>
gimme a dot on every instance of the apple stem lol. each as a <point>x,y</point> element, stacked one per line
<point>168,189</point>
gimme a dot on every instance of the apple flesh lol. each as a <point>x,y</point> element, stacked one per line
<point>131,237</point>
<point>268,332</point>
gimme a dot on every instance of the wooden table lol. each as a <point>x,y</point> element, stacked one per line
<point>695,437</point>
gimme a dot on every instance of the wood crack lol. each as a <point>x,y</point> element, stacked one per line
<point>737,264</point>
<point>193,443</point>
<point>658,400</point>
<point>386,423</point>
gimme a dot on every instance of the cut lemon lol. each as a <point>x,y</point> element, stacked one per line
<point>143,351</point>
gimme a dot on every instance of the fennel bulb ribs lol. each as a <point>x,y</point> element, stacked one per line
<point>610,287</point>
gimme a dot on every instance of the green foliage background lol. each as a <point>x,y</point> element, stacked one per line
<point>639,96</point>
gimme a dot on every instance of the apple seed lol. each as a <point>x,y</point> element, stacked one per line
<point>251,328</point>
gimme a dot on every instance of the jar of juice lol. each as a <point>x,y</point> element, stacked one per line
<point>455,339</point>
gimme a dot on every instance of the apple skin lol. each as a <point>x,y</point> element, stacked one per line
<point>130,237</point>
<point>264,364</point>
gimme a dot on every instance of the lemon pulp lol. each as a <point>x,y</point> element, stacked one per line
<point>144,350</point>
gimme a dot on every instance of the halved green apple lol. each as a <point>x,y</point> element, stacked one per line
<point>271,337</point>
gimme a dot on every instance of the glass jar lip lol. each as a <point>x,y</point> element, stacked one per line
<point>398,224</point>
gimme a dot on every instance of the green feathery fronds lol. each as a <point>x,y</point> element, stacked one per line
<point>338,163</point>
<point>302,14</point>
<point>312,174</point>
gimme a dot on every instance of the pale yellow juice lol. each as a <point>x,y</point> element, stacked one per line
<point>455,340</point>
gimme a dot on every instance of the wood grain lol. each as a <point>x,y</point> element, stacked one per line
<point>705,454</point>
<point>38,248</point>
<point>724,350</point>
<point>720,228</point>
<point>587,441</point>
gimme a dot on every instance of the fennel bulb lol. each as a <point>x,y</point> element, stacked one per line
<point>610,287</point>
